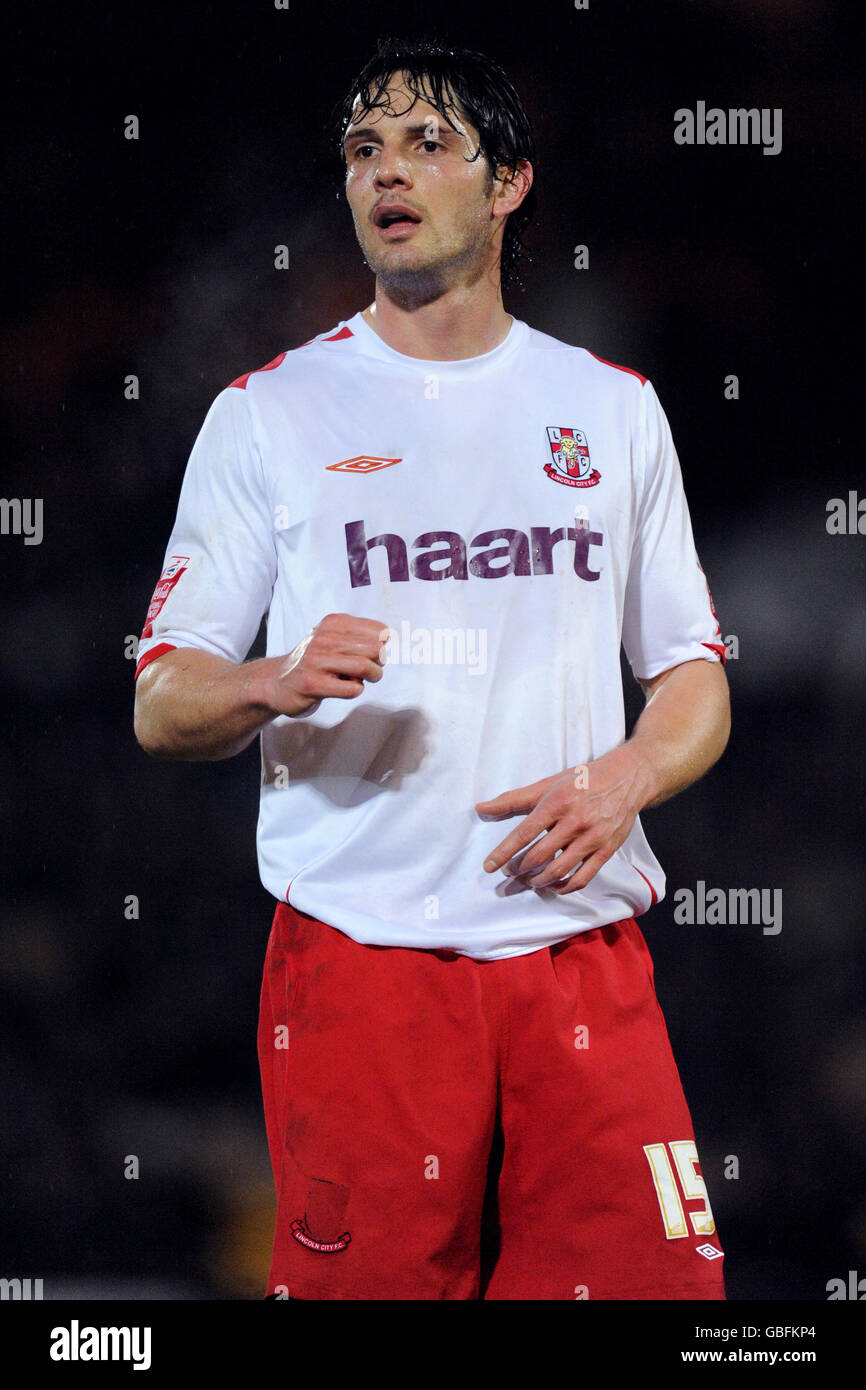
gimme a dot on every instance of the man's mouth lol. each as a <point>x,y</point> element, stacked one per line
<point>394,217</point>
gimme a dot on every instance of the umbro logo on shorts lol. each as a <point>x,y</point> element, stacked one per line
<point>709,1252</point>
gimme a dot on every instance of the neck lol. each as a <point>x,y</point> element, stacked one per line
<point>463,321</point>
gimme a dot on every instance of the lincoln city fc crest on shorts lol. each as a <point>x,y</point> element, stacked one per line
<point>571,463</point>
<point>319,1228</point>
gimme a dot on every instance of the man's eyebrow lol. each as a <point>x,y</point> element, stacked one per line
<point>370,132</point>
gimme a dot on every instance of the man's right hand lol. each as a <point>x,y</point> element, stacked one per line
<point>192,705</point>
<point>334,660</point>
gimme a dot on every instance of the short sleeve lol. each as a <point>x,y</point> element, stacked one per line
<point>668,614</point>
<point>220,564</point>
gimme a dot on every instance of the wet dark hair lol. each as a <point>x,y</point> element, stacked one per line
<point>454,81</point>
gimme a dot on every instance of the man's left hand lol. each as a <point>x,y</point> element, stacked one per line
<point>587,812</point>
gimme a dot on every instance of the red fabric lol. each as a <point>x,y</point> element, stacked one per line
<point>159,650</point>
<point>241,381</point>
<point>719,648</point>
<point>160,594</point>
<point>409,1074</point>
<point>631,371</point>
<point>650,887</point>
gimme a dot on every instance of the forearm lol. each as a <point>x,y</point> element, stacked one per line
<point>682,731</point>
<point>194,706</point>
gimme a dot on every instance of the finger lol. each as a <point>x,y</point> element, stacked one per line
<point>352,667</point>
<point>516,800</point>
<point>585,873</point>
<point>333,646</point>
<point>339,687</point>
<point>565,863</point>
<point>596,839</point>
<point>346,624</point>
<point>516,867</point>
<point>519,838</point>
<point>559,837</point>
<point>576,850</point>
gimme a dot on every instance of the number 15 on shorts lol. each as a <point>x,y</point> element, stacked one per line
<point>685,1160</point>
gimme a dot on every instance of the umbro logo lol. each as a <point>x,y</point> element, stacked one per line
<point>364,463</point>
<point>709,1252</point>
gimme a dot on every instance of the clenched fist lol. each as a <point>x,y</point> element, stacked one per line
<point>334,660</point>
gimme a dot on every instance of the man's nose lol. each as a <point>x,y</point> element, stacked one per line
<point>391,168</point>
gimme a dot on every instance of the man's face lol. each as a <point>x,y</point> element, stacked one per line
<point>407,158</point>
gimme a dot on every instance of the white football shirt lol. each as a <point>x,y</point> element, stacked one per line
<point>513,518</point>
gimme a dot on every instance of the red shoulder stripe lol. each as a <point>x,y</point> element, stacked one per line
<point>631,371</point>
<point>241,381</point>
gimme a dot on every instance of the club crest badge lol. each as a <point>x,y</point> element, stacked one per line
<point>320,1227</point>
<point>570,462</point>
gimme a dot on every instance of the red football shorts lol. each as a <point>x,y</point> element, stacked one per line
<point>445,1128</point>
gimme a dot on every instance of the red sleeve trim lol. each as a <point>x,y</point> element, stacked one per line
<point>241,381</point>
<point>159,650</point>
<point>648,884</point>
<point>631,371</point>
<point>719,648</point>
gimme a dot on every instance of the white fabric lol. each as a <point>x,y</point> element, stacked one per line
<point>367,805</point>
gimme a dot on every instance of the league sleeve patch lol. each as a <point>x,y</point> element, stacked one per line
<point>176,566</point>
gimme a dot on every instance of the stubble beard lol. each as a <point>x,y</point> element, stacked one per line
<point>411,285</point>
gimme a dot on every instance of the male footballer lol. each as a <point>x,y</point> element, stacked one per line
<point>453,522</point>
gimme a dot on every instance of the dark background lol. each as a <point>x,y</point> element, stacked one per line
<point>137,1037</point>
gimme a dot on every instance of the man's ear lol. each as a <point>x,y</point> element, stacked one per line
<point>512,186</point>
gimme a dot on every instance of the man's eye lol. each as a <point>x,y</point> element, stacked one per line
<point>437,145</point>
<point>359,152</point>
